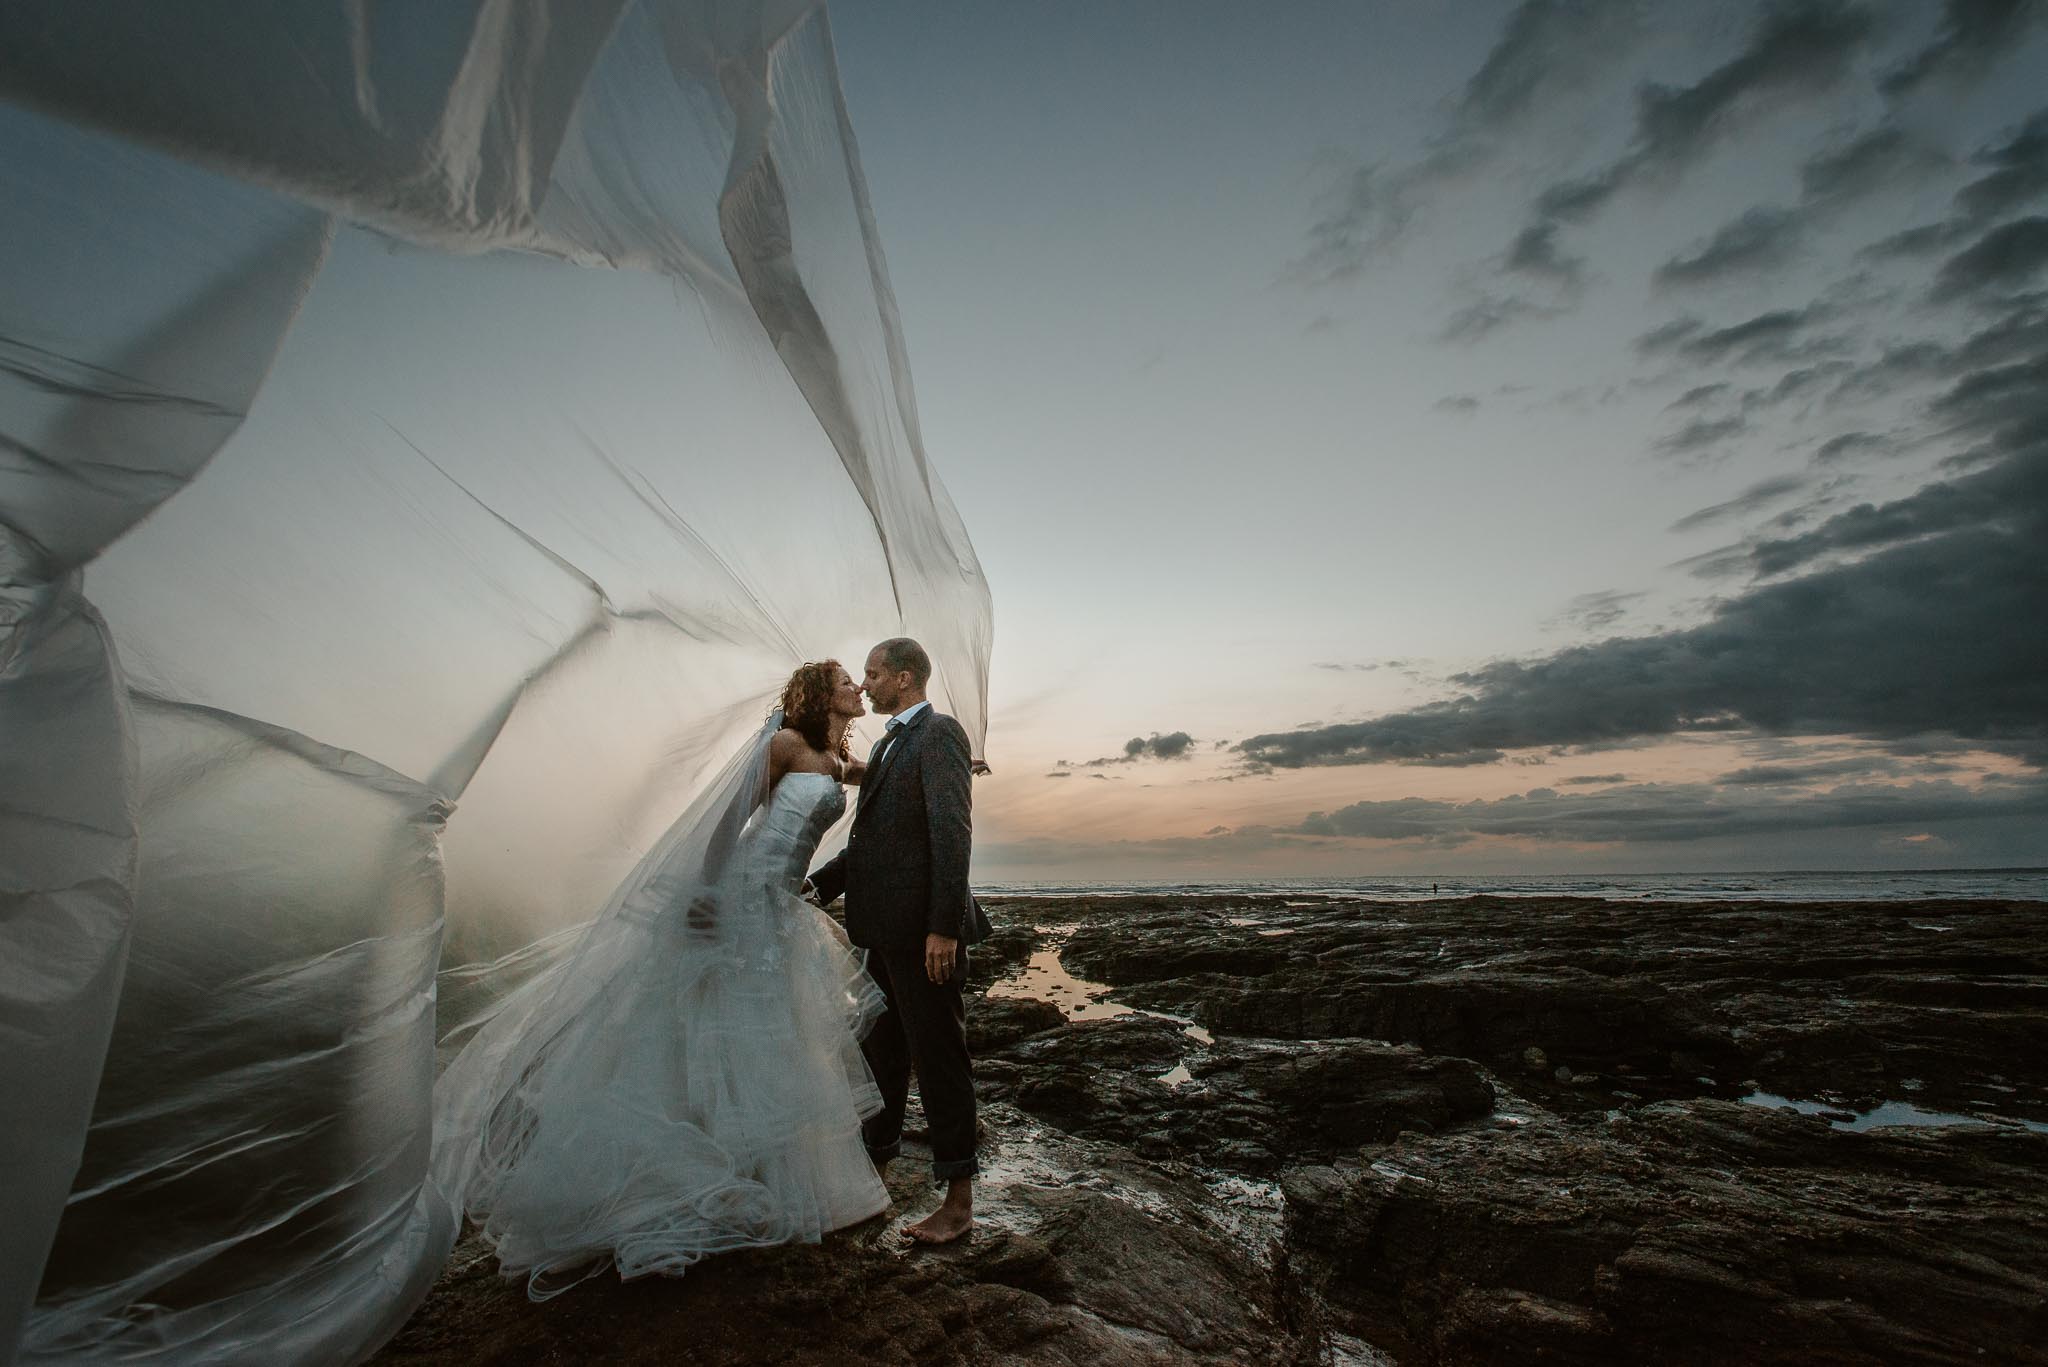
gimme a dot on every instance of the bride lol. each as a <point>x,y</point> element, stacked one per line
<point>687,1078</point>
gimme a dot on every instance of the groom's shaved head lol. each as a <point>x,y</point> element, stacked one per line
<point>900,654</point>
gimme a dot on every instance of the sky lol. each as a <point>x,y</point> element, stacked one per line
<point>1484,437</point>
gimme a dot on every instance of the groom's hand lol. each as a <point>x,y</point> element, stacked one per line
<point>941,953</point>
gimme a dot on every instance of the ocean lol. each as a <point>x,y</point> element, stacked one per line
<point>1896,885</point>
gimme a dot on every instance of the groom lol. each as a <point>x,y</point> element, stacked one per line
<point>904,873</point>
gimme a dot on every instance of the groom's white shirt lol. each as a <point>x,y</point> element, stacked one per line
<point>894,722</point>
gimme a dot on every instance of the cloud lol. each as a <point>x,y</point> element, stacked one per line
<point>2019,177</point>
<point>1597,611</point>
<point>1972,34</point>
<point>1461,404</point>
<point>1591,780</point>
<point>1780,335</point>
<point>1763,238</point>
<point>1756,496</point>
<point>1798,49</point>
<point>1545,50</point>
<point>1876,160</point>
<point>1699,395</point>
<point>1061,773</point>
<point>1173,745</point>
<point>1534,253</point>
<point>2007,257</point>
<point>1794,383</point>
<point>1917,637</point>
<point>1789,775</point>
<point>1766,237</point>
<point>2011,495</point>
<point>1849,446</point>
<point>1544,47</point>
<point>1701,434</point>
<point>1487,314</point>
<point>1649,813</point>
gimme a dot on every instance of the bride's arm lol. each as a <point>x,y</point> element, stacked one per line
<point>855,771</point>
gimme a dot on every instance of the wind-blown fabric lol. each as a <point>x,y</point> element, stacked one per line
<point>428,433</point>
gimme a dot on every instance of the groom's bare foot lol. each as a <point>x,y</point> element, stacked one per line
<point>953,1218</point>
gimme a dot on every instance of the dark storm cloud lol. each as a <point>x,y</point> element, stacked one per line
<point>1922,635</point>
<point>2013,494</point>
<point>1755,497</point>
<point>1457,403</point>
<point>1650,812</point>
<point>1592,780</point>
<point>1762,239</point>
<point>2005,258</point>
<point>1972,34</point>
<point>1545,49</point>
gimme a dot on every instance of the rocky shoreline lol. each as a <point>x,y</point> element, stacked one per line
<point>1274,1129</point>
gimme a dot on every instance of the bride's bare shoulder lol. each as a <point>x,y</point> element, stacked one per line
<point>790,753</point>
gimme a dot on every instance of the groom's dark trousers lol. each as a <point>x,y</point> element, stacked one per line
<point>904,875</point>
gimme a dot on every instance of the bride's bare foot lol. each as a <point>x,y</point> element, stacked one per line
<point>953,1218</point>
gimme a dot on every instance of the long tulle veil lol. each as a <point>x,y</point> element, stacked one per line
<point>481,1116</point>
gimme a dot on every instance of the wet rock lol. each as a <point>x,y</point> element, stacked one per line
<point>994,1023</point>
<point>1113,1268</point>
<point>1248,1106</point>
<point>1693,1232</point>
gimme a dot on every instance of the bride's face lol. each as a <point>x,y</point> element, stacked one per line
<point>846,697</point>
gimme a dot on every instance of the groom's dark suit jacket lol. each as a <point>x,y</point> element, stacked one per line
<point>904,868</point>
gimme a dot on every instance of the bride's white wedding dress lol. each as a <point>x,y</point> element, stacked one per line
<point>688,1080</point>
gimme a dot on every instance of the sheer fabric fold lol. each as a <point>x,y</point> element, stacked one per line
<point>427,435</point>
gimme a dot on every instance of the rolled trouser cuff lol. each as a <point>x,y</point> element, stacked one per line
<point>948,1169</point>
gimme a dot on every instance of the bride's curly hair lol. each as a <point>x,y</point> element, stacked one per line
<point>807,705</point>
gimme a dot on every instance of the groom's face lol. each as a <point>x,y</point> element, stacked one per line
<point>884,688</point>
